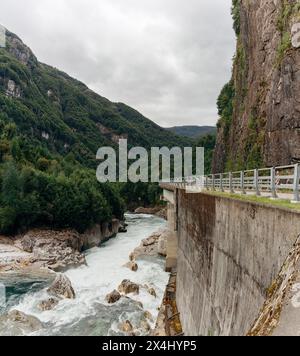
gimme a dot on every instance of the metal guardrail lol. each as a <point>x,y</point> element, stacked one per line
<point>275,180</point>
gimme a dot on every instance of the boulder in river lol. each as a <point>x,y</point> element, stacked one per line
<point>113,297</point>
<point>132,266</point>
<point>16,323</point>
<point>126,327</point>
<point>62,288</point>
<point>48,304</point>
<point>152,292</point>
<point>128,287</point>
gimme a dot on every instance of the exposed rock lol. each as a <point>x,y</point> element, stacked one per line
<point>152,292</point>
<point>98,234</point>
<point>16,323</point>
<point>150,241</point>
<point>62,287</point>
<point>148,316</point>
<point>128,287</point>
<point>163,214</point>
<point>126,327</point>
<point>264,127</point>
<point>152,246</point>
<point>147,211</point>
<point>113,297</point>
<point>162,244</point>
<point>145,326</point>
<point>13,90</point>
<point>132,266</point>
<point>56,250</point>
<point>19,50</point>
<point>296,35</point>
<point>48,304</point>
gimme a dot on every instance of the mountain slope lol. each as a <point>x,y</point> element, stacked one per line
<point>192,131</point>
<point>51,127</point>
<point>260,107</point>
<point>63,112</point>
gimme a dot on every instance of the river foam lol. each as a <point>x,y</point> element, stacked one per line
<point>89,314</point>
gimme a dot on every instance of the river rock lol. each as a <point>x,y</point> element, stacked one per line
<point>162,244</point>
<point>62,288</point>
<point>148,315</point>
<point>57,250</point>
<point>126,327</point>
<point>48,304</point>
<point>16,323</point>
<point>128,287</point>
<point>145,326</point>
<point>113,297</point>
<point>152,292</point>
<point>133,266</point>
<point>148,247</point>
<point>163,214</point>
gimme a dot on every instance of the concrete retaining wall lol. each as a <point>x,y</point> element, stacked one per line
<point>229,252</point>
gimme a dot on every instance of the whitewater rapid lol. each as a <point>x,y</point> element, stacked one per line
<point>89,314</point>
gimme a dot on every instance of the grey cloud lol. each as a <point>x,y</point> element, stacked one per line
<point>167,58</point>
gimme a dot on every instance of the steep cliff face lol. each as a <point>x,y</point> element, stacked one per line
<point>260,107</point>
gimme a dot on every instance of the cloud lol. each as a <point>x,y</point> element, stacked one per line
<point>167,58</point>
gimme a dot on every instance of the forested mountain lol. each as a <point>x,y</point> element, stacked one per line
<point>193,131</point>
<point>51,127</point>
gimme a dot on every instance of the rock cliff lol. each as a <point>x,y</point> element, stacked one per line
<point>260,107</point>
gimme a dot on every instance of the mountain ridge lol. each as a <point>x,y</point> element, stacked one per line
<point>193,131</point>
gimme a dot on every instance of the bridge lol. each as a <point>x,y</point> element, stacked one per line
<point>237,260</point>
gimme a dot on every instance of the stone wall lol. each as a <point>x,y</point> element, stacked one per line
<point>229,253</point>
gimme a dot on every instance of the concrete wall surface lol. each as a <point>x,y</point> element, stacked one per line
<point>229,252</point>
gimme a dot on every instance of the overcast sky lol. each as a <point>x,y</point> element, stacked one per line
<point>166,58</point>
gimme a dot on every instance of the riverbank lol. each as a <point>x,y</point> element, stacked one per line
<point>52,249</point>
<point>104,270</point>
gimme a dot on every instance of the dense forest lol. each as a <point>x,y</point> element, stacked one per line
<point>51,127</point>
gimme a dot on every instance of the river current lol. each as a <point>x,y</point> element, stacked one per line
<point>89,314</point>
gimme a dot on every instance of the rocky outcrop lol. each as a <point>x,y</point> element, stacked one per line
<point>56,250</point>
<point>264,128</point>
<point>127,327</point>
<point>113,297</point>
<point>152,292</point>
<point>13,90</point>
<point>62,288</point>
<point>100,233</point>
<point>128,287</point>
<point>152,246</point>
<point>16,323</point>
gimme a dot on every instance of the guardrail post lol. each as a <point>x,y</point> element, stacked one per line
<point>231,183</point>
<point>213,183</point>
<point>256,183</point>
<point>206,182</point>
<point>243,182</point>
<point>273,183</point>
<point>296,184</point>
<point>221,183</point>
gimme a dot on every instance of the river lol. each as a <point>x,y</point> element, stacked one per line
<point>89,314</point>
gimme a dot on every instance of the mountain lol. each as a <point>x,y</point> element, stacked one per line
<point>193,131</point>
<point>51,127</point>
<point>259,108</point>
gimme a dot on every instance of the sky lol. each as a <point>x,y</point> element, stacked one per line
<point>168,59</point>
